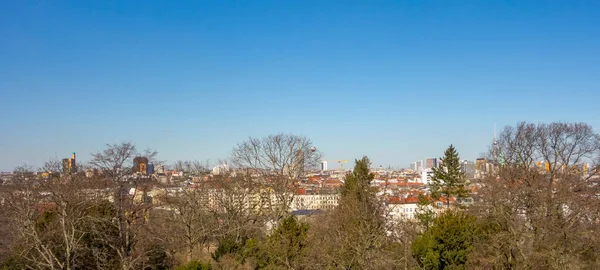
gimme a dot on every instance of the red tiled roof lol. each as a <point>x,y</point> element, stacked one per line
<point>401,200</point>
<point>333,182</point>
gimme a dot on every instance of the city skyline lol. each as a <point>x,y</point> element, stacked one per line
<point>393,81</point>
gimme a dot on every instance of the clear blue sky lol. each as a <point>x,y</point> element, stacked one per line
<point>395,80</point>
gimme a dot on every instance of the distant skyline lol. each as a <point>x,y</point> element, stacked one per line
<point>395,80</point>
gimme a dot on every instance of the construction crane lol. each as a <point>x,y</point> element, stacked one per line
<point>341,164</point>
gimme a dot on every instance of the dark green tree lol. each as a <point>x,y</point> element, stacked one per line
<point>448,179</point>
<point>357,184</point>
<point>355,233</point>
<point>447,243</point>
<point>284,247</point>
<point>425,214</point>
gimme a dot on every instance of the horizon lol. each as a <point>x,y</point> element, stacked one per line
<point>397,82</point>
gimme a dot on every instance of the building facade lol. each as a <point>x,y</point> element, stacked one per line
<point>431,163</point>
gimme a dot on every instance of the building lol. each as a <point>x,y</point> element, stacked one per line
<point>323,201</point>
<point>150,169</point>
<point>69,165</point>
<point>399,208</point>
<point>426,176</point>
<point>324,165</point>
<point>431,163</point>
<point>419,165</point>
<point>140,165</point>
<point>296,170</point>
<point>413,166</point>
<point>220,169</point>
<point>483,168</point>
<point>468,168</point>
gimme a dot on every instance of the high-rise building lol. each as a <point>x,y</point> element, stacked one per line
<point>468,168</point>
<point>298,165</point>
<point>419,165</point>
<point>69,165</point>
<point>324,165</point>
<point>413,166</point>
<point>431,163</point>
<point>150,169</point>
<point>140,164</point>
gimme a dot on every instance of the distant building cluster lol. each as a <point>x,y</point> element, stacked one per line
<point>313,191</point>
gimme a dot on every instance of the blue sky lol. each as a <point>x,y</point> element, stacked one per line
<point>395,80</point>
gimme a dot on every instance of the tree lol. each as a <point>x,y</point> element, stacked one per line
<point>357,185</point>
<point>285,247</point>
<point>112,160</point>
<point>353,236</point>
<point>448,180</point>
<point>424,213</point>
<point>129,200</point>
<point>49,219</point>
<point>189,221</point>
<point>447,243</point>
<point>237,210</point>
<point>540,207</point>
<point>276,163</point>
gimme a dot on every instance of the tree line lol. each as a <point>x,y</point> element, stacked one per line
<point>523,215</point>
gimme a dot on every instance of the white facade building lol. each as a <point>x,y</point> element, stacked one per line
<point>402,210</point>
<point>324,165</point>
<point>315,201</point>
<point>426,176</point>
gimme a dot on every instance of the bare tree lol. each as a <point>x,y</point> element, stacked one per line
<point>190,222</point>
<point>539,207</point>
<point>281,154</point>
<point>277,162</point>
<point>129,201</point>
<point>22,174</point>
<point>237,207</point>
<point>49,219</point>
<point>52,165</point>
<point>179,165</point>
<point>112,160</point>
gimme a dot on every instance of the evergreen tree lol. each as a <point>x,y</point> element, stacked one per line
<point>448,179</point>
<point>357,185</point>
<point>284,247</point>
<point>424,212</point>
<point>447,243</point>
<point>356,234</point>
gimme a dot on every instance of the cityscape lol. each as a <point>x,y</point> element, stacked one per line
<point>315,190</point>
<point>299,135</point>
<point>271,181</point>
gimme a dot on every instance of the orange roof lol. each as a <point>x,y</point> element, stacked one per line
<point>333,182</point>
<point>401,200</point>
<point>314,178</point>
<point>409,184</point>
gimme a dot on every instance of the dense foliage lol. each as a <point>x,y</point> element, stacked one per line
<point>447,243</point>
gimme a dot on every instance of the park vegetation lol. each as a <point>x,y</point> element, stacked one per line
<point>537,207</point>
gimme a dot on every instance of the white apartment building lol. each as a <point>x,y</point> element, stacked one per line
<point>315,201</point>
<point>404,210</point>
<point>426,176</point>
